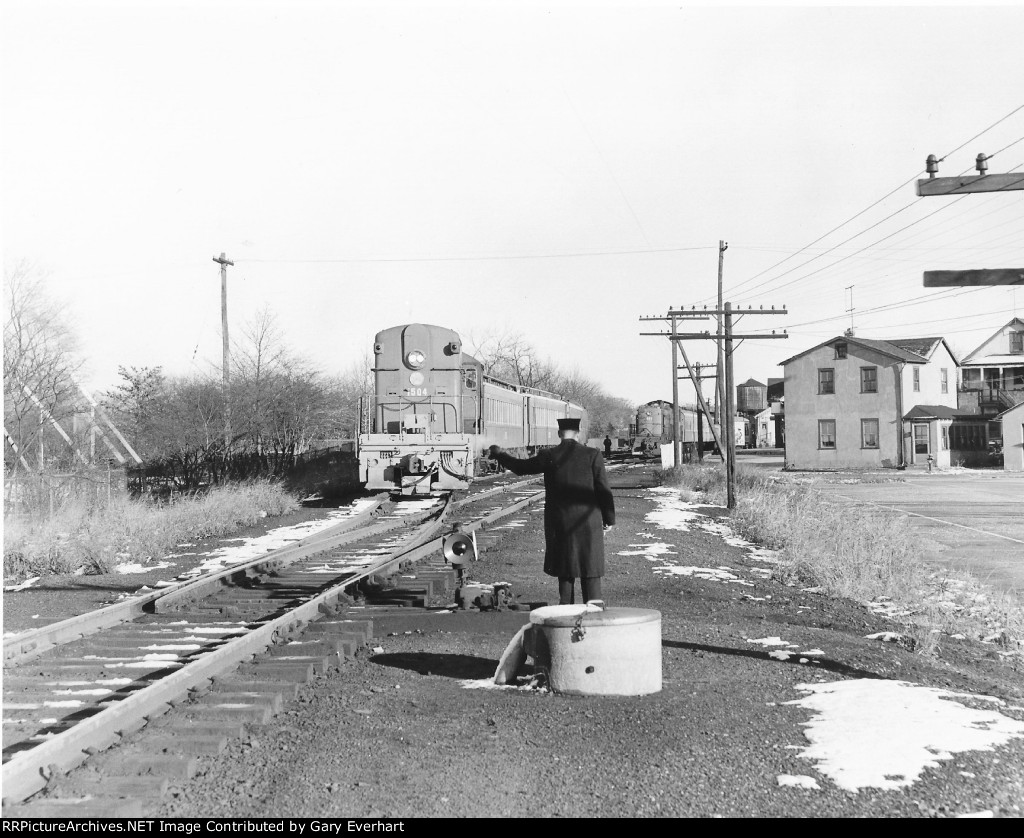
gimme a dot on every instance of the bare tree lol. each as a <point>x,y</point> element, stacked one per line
<point>40,366</point>
<point>137,404</point>
<point>288,406</point>
<point>510,357</point>
<point>346,391</point>
<point>262,365</point>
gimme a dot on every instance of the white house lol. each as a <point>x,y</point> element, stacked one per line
<point>853,402</point>
<point>992,376</point>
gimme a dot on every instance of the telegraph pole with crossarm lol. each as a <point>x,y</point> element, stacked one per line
<point>961,185</point>
<point>226,363</point>
<point>727,312</point>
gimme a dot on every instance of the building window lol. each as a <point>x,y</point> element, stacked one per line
<point>944,379</point>
<point>826,433</point>
<point>1017,343</point>
<point>945,437</point>
<point>826,381</point>
<point>968,437</point>
<point>840,350</point>
<point>917,379</point>
<point>868,433</point>
<point>869,379</point>
<point>972,379</point>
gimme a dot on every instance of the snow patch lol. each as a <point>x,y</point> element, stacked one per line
<point>884,734</point>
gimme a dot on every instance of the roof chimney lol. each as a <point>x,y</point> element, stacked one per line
<point>848,333</point>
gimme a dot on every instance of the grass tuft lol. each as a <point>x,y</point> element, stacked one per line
<point>83,537</point>
<point>854,552</point>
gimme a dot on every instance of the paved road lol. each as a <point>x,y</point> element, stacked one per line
<point>968,520</point>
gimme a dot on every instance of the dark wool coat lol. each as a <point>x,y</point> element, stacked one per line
<point>578,504</point>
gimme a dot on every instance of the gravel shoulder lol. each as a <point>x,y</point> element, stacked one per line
<point>413,728</point>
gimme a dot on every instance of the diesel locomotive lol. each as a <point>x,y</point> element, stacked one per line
<point>434,413</point>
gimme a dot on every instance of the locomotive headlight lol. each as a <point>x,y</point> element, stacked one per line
<point>415,359</point>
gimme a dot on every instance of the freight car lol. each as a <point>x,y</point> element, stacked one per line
<point>434,412</point>
<point>654,423</point>
<point>654,426</point>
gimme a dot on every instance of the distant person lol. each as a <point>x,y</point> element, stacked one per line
<point>579,509</point>
<point>607,446</point>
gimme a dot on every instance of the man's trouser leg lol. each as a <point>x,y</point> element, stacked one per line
<point>566,586</point>
<point>591,587</point>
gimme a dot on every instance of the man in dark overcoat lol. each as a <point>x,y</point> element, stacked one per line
<point>578,508</point>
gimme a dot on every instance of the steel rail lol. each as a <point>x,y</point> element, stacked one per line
<point>285,555</point>
<point>29,771</point>
<point>26,645</point>
<point>23,646</point>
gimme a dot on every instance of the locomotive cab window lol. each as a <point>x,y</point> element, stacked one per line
<point>469,378</point>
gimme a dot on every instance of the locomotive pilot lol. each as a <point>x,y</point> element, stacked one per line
<point>578,510</point>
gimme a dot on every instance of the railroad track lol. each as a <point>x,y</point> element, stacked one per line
<point>194,662</point>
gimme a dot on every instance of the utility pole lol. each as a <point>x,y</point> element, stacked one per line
<point>730,412</point>
<point>676,442</point>
<point>226,363</point>
<point>696,376</point>
<point>719,384</point>
<point>726,447</point>
<point>706,411</point>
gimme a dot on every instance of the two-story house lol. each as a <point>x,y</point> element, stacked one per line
<point>852,402</point>
<point>992,376</point>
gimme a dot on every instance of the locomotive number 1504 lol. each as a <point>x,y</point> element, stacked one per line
<point>417,391</point>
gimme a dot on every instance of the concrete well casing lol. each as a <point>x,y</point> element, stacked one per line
<point>586,650</point>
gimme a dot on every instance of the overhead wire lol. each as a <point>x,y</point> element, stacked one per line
<point>984,242</point>
<point>736,288</point>
<point>924,298</point>
<point>496,257</point>
<point>860,250</point>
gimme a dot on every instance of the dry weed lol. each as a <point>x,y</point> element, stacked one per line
<point>85,537</point>
<point>867,555</point>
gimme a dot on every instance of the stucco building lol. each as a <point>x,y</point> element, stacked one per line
<point>853,402</point>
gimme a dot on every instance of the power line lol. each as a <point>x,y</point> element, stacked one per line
<point>932,297</point>
<point>861,250</point>
<point>990,127</point>
<point>874,204</point>
<point>503,257</point>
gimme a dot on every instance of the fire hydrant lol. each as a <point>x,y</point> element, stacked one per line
<point>930,461</point>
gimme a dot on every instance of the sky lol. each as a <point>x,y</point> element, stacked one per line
<point>551,170</point>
